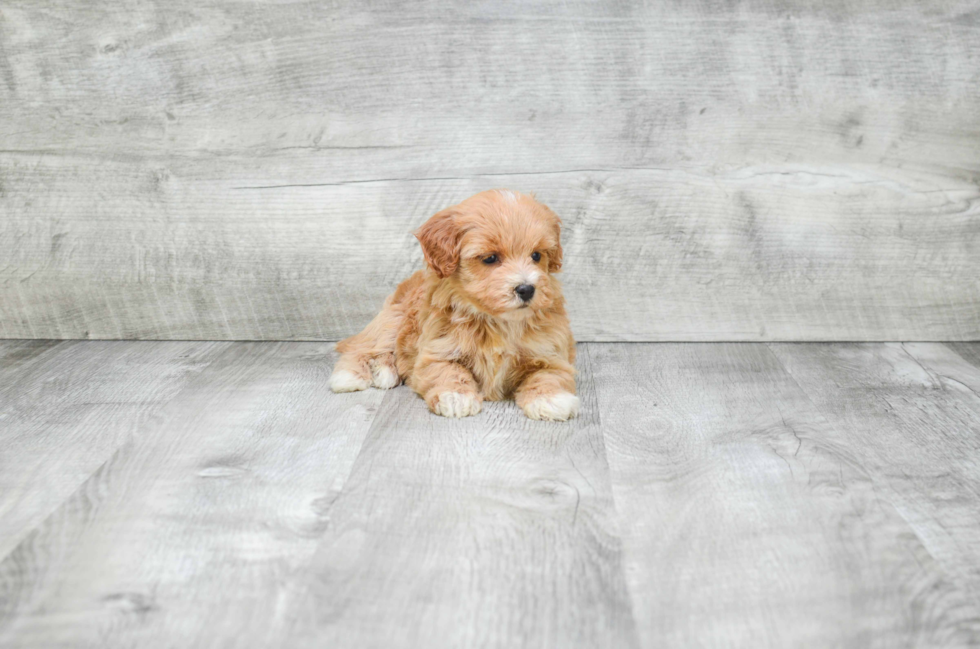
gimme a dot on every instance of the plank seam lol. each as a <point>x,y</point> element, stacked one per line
<point>612,490</point>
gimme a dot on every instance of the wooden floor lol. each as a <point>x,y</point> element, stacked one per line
<point>200,494</point>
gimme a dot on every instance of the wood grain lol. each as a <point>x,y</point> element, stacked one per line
<point>190,532</point>
<point>746,171</point>
<point>18,356</point>
<point>491,531</point>
<point>66,408</point>
<point>914,424</point>
<point>752,519</point>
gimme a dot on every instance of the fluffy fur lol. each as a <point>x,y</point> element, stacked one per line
<point>457,332</point>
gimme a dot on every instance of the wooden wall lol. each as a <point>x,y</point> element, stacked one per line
<point>738,170</point>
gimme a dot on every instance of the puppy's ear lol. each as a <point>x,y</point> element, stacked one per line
<point>554,259</point>
<point>555,254</point>
<point>441,239</point>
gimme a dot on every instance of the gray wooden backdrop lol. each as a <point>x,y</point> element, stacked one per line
<point>726,170</point>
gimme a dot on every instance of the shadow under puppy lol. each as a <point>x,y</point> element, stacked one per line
<point>484,320</point>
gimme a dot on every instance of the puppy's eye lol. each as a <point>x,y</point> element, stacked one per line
<point>492,259</point>
<point>536,256</point>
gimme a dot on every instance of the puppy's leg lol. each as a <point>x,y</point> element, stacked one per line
<point>358,371</point>
<point>384,374</point>
<point>549,394</point>
<point>351,373</point>
<point>448,388</point>
<point>368,358</point>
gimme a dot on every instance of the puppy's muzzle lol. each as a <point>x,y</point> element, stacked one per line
<point>525,292</point>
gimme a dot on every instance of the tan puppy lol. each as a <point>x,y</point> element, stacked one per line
<point>485,320</point>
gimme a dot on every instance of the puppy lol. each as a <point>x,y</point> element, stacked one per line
<point>484,320</point>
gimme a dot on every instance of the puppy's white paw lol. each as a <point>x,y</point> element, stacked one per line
<point>553,407</point>
<point>457,404</point>
<point>383,376</point>
<point>347,381</point>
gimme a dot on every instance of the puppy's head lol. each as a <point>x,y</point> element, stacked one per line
<point>496,251</point>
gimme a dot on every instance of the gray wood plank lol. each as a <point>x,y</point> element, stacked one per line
<point>491,531</point>
<point>755,253</point>
<point>66,408</point>
<point>488,87</point>
<point>915,429</point>
<point>727,171</point>
<point>188,535</point>
<point>750,519</point>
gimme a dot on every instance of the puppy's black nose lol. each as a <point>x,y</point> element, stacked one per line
<point>525,292</point>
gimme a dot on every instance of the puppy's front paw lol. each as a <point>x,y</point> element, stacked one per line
<point>553,407</point>
<point>384,376</point>
<point>347,381</point>
<point>457,404</point>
